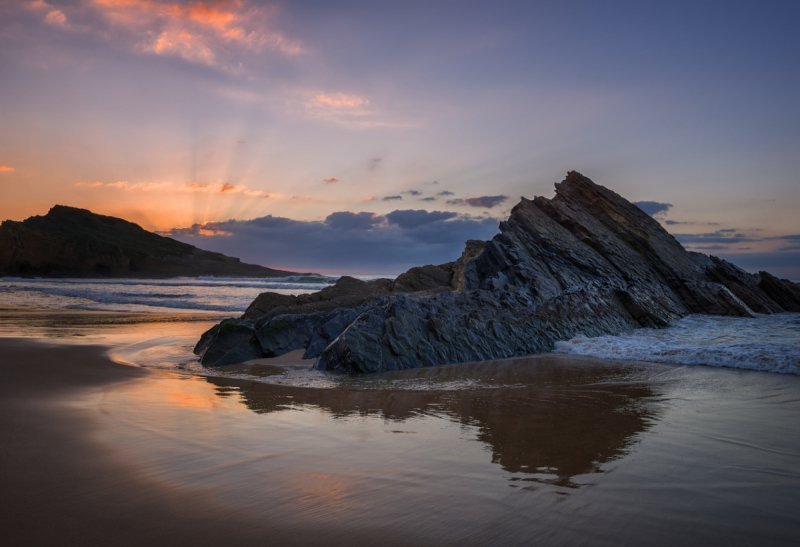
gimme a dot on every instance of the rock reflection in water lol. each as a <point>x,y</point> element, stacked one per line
<point>546,418</point>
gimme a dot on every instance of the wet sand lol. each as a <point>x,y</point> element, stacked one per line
<point>551,450</point>
<point>60,486</point>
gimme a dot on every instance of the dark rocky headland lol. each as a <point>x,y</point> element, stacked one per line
<point>586,262</point>
<point>71,242</point>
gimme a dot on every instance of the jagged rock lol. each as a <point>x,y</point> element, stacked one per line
<point>68,242</point>
<point>228,335</point>
<point>785,293</point>
<point>586,262</point>
<point>424,278</point>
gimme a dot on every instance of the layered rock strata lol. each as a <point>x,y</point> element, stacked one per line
<point>586,262</point>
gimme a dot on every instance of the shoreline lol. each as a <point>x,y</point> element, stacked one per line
<point>99,452</point>
<point>61,486</point>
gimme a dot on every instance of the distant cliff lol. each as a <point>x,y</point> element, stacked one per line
<point>69,242</point>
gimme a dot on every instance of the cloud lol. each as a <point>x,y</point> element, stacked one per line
<point>374,163</point>
<point>391,198</point>
<point>728,236</point>
<point>410,218</point>
<point>6,168</point>
<point>355,243</point>
<point>125,185</point>
<point>330,180</point>
<point>428,199</point>
<point>412,192</point>
<point>653,208</point>
<point>213,33</point>
<point>56,18</point>
<point>725,239</point>
<point>340,100</point>
<point>485,201</point>
<point>675,223</point>
<point>346,220</point>
<point>792,240</point>
<point>445,193</point>
<point>224,188</point>
<point>717,248</point>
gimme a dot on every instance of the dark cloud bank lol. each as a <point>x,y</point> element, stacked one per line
<point>370,244</point>
<point>653,208</point>
<point>485,202</point>
<point>355,243</point>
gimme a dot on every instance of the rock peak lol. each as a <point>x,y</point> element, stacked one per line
<point>585,262</point>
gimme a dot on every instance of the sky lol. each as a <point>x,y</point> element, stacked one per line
<point>368,137</point>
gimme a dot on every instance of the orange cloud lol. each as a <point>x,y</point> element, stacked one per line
<point>212,232</point>
<point>225,188</point>
<point>332,179</point>
<point>125,185</point>
<point>56,18</point>
<point>340,101</point>
<point>6,168</point>
<point>203,32</point>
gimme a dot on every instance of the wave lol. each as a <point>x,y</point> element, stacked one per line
<point>305,283</point>
<point>768,343</point>
<point>207,294</point>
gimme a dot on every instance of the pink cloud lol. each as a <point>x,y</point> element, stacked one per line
<point>211,33</point>
<point>56,18</point>
<point>339,100</point>
<point>330,180</point>
<point>125,185</point>
<point>225,188</point>
<point>6,168</point>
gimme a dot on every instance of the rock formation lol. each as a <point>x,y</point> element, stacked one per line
<point>76,242</point>
<point>586,262</point>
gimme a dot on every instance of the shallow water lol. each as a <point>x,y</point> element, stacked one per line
<point>555,449</point>
<point>769,343</point>
<point>580,451</point>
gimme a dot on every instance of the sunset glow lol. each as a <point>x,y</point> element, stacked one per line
<point>174,113</point>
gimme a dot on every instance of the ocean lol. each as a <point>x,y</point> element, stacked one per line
<point>642,447</point>
<point>174,295</point>
<point>769,343</point>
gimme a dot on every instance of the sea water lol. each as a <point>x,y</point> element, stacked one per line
<point>769,343</point>
<point>179,294</point>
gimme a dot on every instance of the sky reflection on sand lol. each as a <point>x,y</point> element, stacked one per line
<point>553,446</point>
<point>651,441</point>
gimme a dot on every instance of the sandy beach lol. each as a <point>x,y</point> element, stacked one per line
<point>551,449</point>
<point>62,487</point>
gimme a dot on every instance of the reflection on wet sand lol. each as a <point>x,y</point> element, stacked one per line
<point>55,323</point>
<point>545,418</point>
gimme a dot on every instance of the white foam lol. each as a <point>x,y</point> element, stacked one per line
<point>767,343</point>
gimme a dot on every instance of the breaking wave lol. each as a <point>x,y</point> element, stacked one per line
<point>767,343</point>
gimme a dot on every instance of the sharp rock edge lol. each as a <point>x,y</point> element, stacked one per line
<point>586,262</point>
